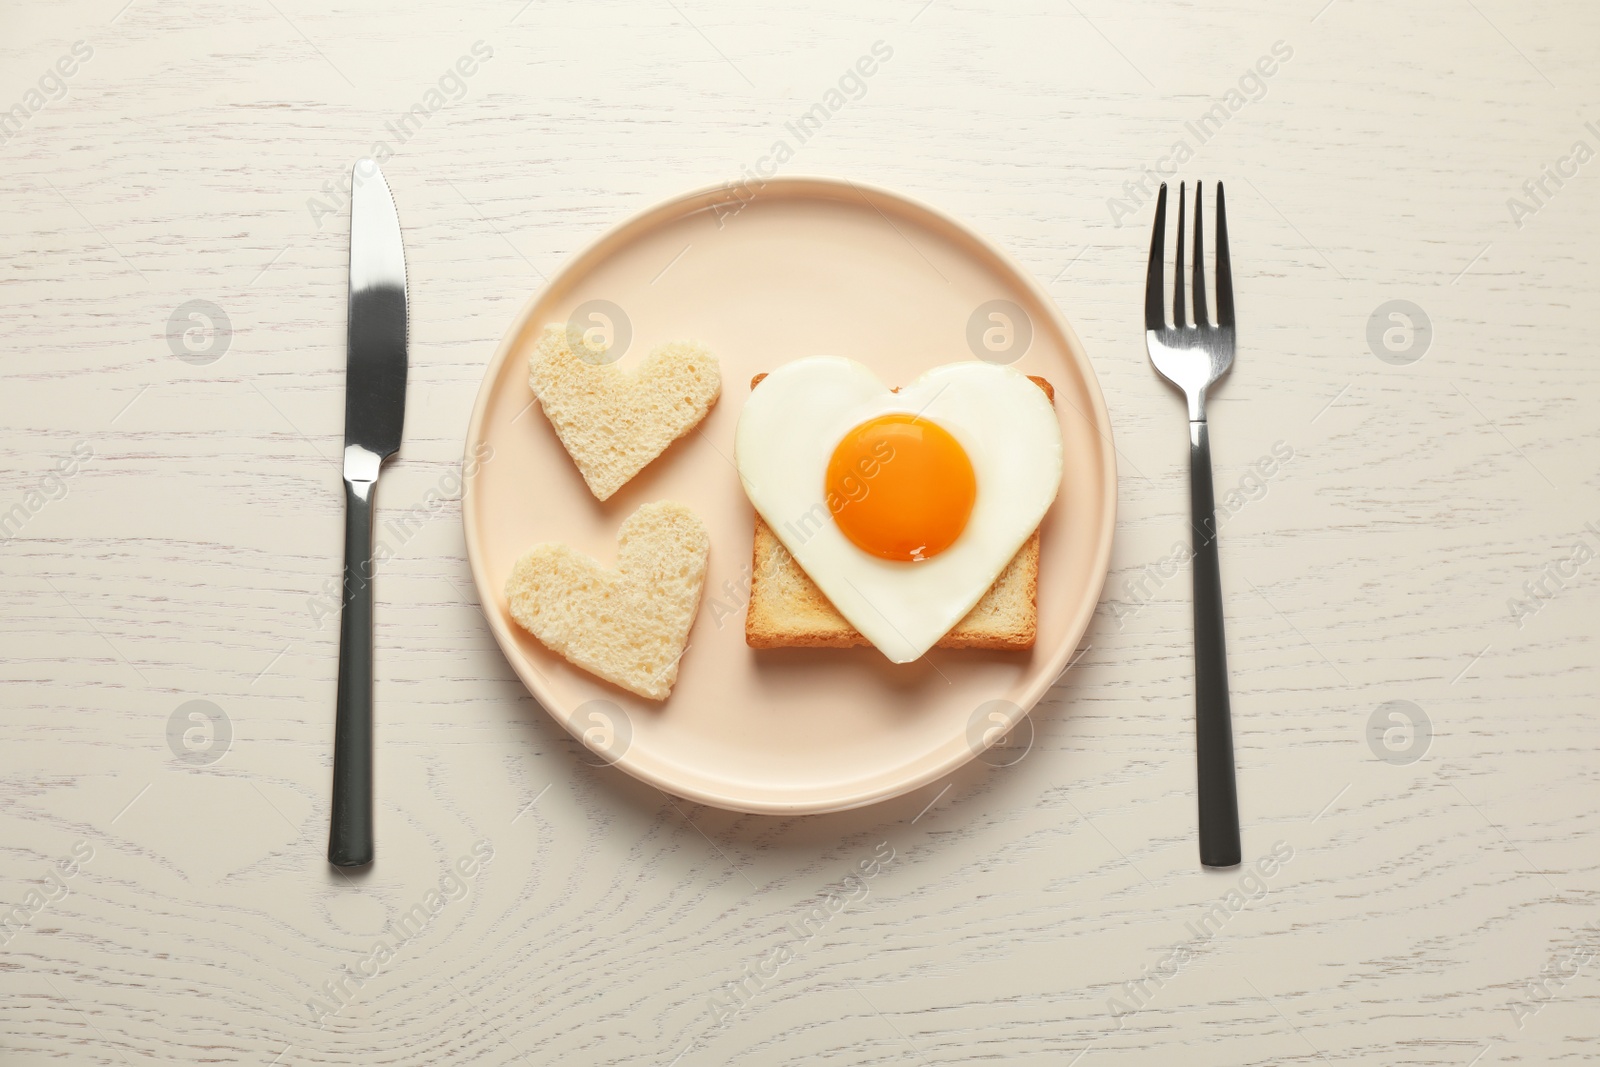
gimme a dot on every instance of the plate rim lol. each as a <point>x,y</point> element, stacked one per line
<point>701,199</point>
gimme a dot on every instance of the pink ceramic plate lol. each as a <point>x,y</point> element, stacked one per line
<point>805,266</point>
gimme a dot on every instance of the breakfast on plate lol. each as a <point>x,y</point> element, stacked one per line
<point>902,508</point>
<point>903,518</point>
<point>613,422</point>
<point>630,625</point>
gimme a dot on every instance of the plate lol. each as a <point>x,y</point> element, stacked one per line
<point>798,267</point>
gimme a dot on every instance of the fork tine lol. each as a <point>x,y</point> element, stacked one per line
<point>1154,317</point>
<point>1224,266</point>
<point>1179,319</point>
<point>1199,263</point>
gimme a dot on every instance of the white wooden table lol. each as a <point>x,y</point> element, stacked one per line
<point>170,900</point>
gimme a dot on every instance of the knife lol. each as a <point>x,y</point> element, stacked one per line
<point>374,411</point>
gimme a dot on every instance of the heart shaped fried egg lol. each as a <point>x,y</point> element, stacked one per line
<point>902,507</point>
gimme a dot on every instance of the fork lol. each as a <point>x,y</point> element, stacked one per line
<point>1192,358</point>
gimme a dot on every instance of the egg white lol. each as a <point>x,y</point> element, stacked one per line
<point>796,417</point>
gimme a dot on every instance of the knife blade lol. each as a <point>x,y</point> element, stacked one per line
<point>374,415</point>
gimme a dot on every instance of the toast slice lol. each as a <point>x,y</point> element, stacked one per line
<point>787,610</point>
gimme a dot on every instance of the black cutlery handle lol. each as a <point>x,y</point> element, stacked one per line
<point>1219,797</point>
<point>350,832</point>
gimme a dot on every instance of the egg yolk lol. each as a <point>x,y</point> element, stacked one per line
<point>900,487</point>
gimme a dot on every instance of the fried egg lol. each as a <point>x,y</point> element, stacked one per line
<point>902,507</point>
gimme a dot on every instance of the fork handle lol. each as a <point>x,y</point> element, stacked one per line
<point>1219,798</point>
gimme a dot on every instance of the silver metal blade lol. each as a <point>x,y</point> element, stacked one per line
<point>375,375</point>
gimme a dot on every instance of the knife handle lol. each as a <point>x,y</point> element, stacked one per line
<point>350,833</point>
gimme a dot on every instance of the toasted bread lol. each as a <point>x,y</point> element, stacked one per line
<point>787,610</point>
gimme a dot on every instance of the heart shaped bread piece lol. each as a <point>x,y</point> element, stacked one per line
<point>613,422</point>
<point>630,625</point>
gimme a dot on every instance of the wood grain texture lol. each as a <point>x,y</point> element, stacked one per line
<point>183,560</point>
